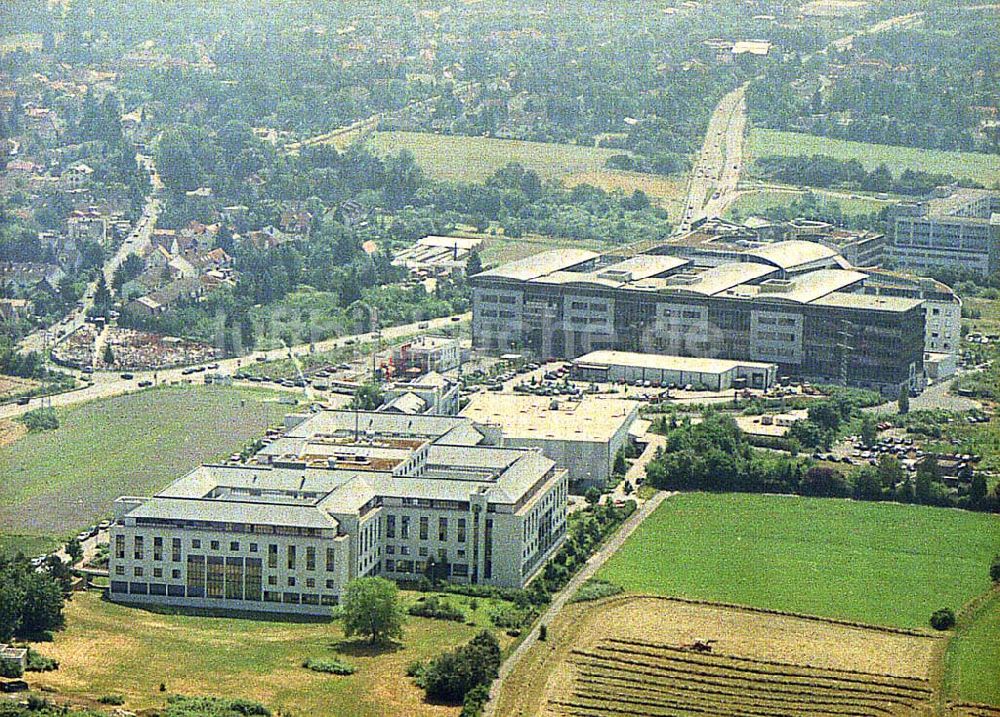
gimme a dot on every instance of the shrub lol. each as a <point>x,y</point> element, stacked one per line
<point>475,698</point>
<point>10,669</point>
<point>995,569</point>
<point>543,632</point>
<point>437,609</point>
<point>111,700</point>
<point>452,675</point>
<point>943,619</point>
<point>181,706</point>
<point>415,669</point>
<point>508,617</point>
<point>38,662</point>
<point>595,589</point>
<point>40,419</point>
<point>329,666</point>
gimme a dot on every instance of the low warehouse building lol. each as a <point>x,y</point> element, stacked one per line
<point>581,436</point>
<point>712,374</point>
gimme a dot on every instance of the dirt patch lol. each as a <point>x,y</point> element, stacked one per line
<point>10,431</point>
<point>629,656</point>
<point>11,386</point>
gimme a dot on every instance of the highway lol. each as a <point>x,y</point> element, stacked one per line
<point>107,384</point>
<point>713,183</point>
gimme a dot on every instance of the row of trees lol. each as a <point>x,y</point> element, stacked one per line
<point>821,170</point>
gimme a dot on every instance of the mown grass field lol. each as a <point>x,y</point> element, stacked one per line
<point>973,659</point>
<point>257,659</point>
<point>56,482</point>
<point>30,545</point>
<point>473,159</point>
<point>760,201</point>
<point>984,168</point>
<point>500,249</point>
<point>880,564</point>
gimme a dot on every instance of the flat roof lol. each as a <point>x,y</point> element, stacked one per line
<point>522,417</point>
<point>666,363</point>
<point>546,262</point>
<point>719,278</point>
<point>869,302</point>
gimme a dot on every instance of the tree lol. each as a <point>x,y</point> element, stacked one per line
<point>592,496</point>
<point>977,490</point>
<point>825,415</point>
<point>869,430</point>
<point>995,569</point>
<point>74,550</point>
<point>943,619</point>
<point>620,466</point>
<point>109,355</point>
<point>452,675</point>
<point>890,471</point>
<point>175,162</point>
<point>43,604</point>
<point>371,609</point>
<point>474,265</point>
<point>367,397</point>
<point>867,485</point>
<point>903,401</point>
<point>824,482</point>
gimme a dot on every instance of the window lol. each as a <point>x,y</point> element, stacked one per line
<point>291,581</point>
<point>253,547</point>
<point>272,556</point>
<point>390,526</point>
<point>119,570</point>
<point>196,544</point>
<point>422,552</point>
<point>331,555</point>
<point>120,547</point>
<point>196,576</point>
<point>157,548</point>
<point>404,527</point>
<point>461,530</point>
<point>234,547</point>
<point>137,547</point>
<point>310,558</point>
<point>442,529</point>
<point>252,575</point>
<point>175,550</point>
<point>216,581</point>
<point>272,579</point>
<point>138,571</point>
<point>214,545</point>
<point>310,582</point>
<point>175,574</point>
<point>390,550</point>
<point>234,578</point>
<point>404,550</point>
<point>291,557</point>
<point>157,572</point>
<point>331,584</point>
<point>424,527</point>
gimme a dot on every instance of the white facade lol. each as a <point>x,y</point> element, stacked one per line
<point>341,495</point>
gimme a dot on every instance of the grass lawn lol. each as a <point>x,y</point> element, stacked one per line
<point>59,481</point>
<point>30,545</point>
<point>236,657</point>
<point>984,168</point>
<point>971,664</point>
<point>758,202</point>
<point>989,315</point>
<point>500,250</point>
<point>473,159</point>
<point>881,564</point>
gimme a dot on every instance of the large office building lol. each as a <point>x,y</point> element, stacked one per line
<point>581,435</point>
<point>958,230</point>
<point>797,304</point>
<point>341,495</point>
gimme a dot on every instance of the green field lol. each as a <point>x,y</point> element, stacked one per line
<point>60,481</point>
<point>257,659</point>
<point>500,250</point>
<point>760,201</point>
<point>882,564</point>
<point>473,159</point>
<point>984,168</point>
<point>973,659</point>
<point>30,545</point>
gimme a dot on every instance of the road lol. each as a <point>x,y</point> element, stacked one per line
<point>716,173</point>
<point>107,384</point>
<point>135,243</point>
<point>594,564</point>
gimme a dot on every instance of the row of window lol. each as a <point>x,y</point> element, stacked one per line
<point>139,552</point>
<point>424,528</point>
<point>122,587</point>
